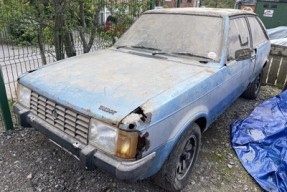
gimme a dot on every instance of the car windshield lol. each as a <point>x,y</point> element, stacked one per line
<point>184,35</point>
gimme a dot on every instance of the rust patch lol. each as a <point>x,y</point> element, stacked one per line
<point>136,118</point>
<point>143,144</point>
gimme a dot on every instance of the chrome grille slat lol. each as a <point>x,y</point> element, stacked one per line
<point>40,111</point>
<point>50,107</point>
<point>81,128</point>
<point>42,99</point>
<point>73,114</point>
<point>70,118</point>
<point>78,132</point>
<point>71,133</point>
<point>82,123</point>
<point>84,119</point>
<point>67,126</point>
<point>49,116</point>
<point>60,122</point>
<point>68,122</point>
<point>41,107</point>
<point>34,107</point>
<point>49,112</point>
<point>61,113</point>
<point>51,103</point>
<point>62,118</point>
<point>59,126</point>
<point>60,108</point>
<point>41,116</point>
<point>42,103</point>
<point>80,138</point>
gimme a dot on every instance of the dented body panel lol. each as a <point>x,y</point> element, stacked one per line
<point>148,90</point>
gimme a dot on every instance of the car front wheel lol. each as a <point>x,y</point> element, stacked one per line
<point>177,169</point>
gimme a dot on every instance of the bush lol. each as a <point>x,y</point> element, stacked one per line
<point>22,34</point>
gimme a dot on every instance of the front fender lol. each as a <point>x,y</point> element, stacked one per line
<point>163,151</point>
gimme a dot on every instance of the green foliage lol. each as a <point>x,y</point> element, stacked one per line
<point>26,19</point>
<point>22,34</point>
<point>125,14</point>
<point>218,3</point>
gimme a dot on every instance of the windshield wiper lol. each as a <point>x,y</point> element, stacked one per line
<point>122,46</point>
<point>159,53</point>
<point>144,47</point>
<point>192,55</point>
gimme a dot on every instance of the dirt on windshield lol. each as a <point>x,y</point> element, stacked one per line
<point>30,162</point>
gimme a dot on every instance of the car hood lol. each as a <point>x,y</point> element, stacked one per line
<point>109,84</point>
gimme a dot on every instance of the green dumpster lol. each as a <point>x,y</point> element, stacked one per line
<point>273,13</point>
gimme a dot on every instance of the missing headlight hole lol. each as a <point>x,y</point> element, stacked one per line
<point>143,144</point>
<point>141,112</point>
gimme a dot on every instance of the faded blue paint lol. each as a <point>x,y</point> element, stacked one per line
<point>261,56</point>
<point>118,80</point>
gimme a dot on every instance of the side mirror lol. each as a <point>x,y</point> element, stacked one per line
<point>243,54</point>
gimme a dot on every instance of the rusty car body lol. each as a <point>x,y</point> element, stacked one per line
<point>138,108</point>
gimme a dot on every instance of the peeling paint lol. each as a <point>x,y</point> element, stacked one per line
<point>132,118</point>
<point>143,145</point>
<point>136,118</point>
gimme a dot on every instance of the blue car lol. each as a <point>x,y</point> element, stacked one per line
<point>139,108</point>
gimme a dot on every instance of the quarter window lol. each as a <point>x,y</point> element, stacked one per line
<point>257,32</point>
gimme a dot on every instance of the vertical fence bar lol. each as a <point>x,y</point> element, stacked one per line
<point>4,105</point>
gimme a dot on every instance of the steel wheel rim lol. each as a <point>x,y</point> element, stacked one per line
<point>186,158</point>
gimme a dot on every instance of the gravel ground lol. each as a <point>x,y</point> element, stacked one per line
<point>30,162</point>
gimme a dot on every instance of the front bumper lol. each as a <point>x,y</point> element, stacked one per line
<point>87,154</point>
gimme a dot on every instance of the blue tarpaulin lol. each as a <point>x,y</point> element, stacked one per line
<point>260,142</point>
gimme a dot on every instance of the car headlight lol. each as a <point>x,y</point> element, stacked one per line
<point>23,95</point>
<point>120,143</point>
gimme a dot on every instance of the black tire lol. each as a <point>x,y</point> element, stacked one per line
<point>173,175</point>
<point>253,88</point>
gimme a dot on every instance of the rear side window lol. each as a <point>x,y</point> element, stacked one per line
<point>257,32</point>
<point>238,36</point>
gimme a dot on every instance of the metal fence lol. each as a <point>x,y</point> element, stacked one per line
<point>16,60</point>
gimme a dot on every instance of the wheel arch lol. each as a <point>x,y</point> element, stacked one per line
<point>202,123</point>
<point>165,150</point>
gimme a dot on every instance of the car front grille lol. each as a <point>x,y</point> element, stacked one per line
<point>64,119</point>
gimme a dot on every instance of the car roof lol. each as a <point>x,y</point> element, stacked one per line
<point>200,11</point>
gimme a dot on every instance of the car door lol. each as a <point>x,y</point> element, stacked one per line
<point>234,75</point>
<point>260,44</point>
<point>239,39</point>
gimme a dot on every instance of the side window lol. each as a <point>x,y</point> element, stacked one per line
<point>238,36</point>
<point>257,32</point>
